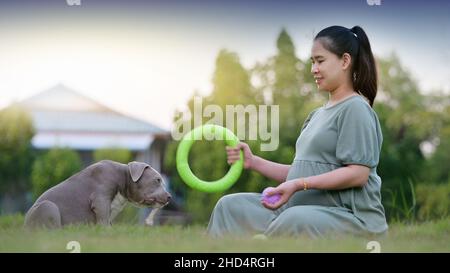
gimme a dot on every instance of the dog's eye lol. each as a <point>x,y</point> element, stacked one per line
<point>158,180</point>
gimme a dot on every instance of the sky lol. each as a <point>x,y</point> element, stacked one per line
<point>147,58</point>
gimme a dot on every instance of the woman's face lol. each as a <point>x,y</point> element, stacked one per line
<point>327,68</point>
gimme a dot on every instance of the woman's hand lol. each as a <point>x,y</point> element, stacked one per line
<point>285,189</point>
<point>233,154</point>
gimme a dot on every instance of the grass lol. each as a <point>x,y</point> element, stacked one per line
<point>423,237</point>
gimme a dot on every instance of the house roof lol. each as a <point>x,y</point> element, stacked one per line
<point>63,98</point>
<point>63,109</point>
<point>64,117</point>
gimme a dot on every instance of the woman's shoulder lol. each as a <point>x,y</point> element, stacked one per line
<point>356,104</point>
<point>357,108</point>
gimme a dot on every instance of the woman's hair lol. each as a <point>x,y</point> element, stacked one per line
<point>354,41</point>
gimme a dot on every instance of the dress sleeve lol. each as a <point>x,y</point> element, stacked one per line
<point>359,136</point>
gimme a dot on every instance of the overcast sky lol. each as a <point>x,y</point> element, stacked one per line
<point>146,58</point>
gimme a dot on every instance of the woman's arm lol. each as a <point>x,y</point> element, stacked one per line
<point>342,178</point>
<point>346,177</point>
<point>272,170</point>
<point>265,167</point>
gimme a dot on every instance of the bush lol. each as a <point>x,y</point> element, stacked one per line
<point>121,155</point>
<point>16,132</point>
<point>433,201</point>
<point>12,221</point>
<point>55,166</point>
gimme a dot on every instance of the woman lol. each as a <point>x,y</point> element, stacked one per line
<point>332,184</point>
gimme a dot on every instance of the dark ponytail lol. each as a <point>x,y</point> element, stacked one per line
<point>340,40</point>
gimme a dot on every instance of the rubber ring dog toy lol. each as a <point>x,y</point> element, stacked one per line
<point>209,132</point>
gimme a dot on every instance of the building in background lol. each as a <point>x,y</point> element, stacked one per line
<point>62,117</point>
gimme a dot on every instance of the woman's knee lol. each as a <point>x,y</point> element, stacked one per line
<point>298,216</point>
<point>233,201</point>
<point>296,220</point>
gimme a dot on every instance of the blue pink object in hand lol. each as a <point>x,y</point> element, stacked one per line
<point>272,199</point>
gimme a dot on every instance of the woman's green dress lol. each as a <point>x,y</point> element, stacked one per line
<point>331,137</point>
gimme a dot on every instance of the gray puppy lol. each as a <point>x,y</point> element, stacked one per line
<point>97,194</point>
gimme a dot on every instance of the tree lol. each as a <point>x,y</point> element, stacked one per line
<point>437,169</point>
<point>288,82</point>
<point>16,132</point>
<point>406,122</point>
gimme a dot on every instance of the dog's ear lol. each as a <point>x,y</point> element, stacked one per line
<point>137,169</point>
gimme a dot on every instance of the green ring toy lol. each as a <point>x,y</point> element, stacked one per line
<point>210,132</point>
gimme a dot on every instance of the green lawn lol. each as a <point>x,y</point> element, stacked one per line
<point>424,237</point>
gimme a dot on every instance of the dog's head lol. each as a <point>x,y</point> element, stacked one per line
<point>147,187</point>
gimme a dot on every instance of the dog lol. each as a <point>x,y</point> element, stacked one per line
<point>97,194</point>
